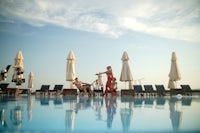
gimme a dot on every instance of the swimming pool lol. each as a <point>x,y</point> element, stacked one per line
<point>99,114</point>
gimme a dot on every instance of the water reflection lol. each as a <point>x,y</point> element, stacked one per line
<point>186,101</point>
<point>138,102</point>
<point>105,113</point>
<point>160,102</point>
<point>2,119</point>
<point>29,107</point>
<point>175,113</point>
<point>148,102</point>
<point>97,107</point>
<point>69,119</point>
<point>16,116</point>
<point>126,113</point>
<point>44,101</point>
<point>84,102</point>
<point>57,101</point>
<point>111,106</point>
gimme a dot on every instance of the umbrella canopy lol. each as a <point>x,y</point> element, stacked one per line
<point>30,80</point>
<point>19,60</point>
<point>70,71</point>
<point>18,69</point>
<point>126,74</point>
<point>171,84</point>
<point>174,74</point>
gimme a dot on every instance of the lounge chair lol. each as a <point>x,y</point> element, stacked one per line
<point>3,87</point>
<point>8,91</point>
<point>149,90</point>
<point>161,91</point>
<point>138,90</point>
<point>57,89</point>
<point>188,91</point>
<point>44,89</point>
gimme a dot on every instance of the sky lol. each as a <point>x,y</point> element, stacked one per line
<point>98,32</point>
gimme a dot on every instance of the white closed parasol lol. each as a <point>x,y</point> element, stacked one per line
<point>126,74</point>
<point>70,70</point>
<point>174,74</point>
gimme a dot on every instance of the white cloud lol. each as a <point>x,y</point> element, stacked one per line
<point>170,19</point>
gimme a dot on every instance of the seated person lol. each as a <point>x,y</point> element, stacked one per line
<point>83,87</point>
<point>114,85</point>
<point>96,85</point>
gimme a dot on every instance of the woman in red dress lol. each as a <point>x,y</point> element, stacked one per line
<point>109,80</point>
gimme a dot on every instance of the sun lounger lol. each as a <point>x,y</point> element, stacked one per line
<point>149,90</point>
<point>3,87</point>
<point>44,89</point>
<point>138,90</point>
<point>188,91</point>
<point>8,91</point>
<point>57,89</point>
<point>161,91</point>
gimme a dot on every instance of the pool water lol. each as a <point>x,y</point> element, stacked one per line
<point>99,114</point>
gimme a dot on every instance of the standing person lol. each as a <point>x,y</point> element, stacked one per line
<point>109,80</point>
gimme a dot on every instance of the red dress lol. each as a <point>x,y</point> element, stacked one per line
<point>108,83</point>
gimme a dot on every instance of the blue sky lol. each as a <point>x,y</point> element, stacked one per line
<point>98,32</point>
